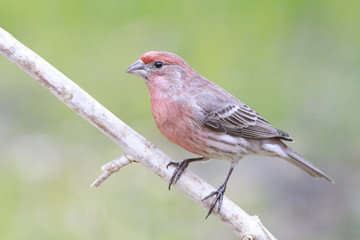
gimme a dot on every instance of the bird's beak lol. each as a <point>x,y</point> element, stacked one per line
<point>138,68</point>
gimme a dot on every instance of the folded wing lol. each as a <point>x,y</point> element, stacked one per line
<point>241,120</point>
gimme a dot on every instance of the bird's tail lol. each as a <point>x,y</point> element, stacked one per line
<point>305,165</point>
<point>293,157</point>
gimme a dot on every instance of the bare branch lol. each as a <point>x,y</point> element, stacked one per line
<point>110,168</point>
<point>136,148</point>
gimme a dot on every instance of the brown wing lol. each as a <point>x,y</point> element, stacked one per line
<point>241,120</point>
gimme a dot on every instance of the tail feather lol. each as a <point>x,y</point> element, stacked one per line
<point>305,165</point>
<point>278,148</point>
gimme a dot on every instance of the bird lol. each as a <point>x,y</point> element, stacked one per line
<point>206,120</point>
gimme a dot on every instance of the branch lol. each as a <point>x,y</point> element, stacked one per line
<point>136,147</point>
<point>110,168</point>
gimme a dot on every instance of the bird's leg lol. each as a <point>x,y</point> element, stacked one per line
<point>180,167</point>
<point>219,193</point>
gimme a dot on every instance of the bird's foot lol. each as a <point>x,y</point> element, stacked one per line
<point>180,167</point>
<point>219,195</point>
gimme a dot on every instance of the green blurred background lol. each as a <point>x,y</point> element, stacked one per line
<point>295,62</point>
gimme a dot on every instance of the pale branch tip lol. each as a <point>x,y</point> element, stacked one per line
<point>110,168</point>
<point>135,147</point>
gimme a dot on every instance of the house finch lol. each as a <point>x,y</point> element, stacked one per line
<point>204,119</point>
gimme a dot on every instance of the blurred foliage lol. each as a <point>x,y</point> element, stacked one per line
<point>296,62</point>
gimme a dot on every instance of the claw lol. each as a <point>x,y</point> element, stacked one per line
<point>219,195</point>
<point>172,163</point>
<point>180,168</point>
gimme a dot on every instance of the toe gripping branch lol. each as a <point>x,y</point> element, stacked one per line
<point>180,168</point>
<point>219,193</point>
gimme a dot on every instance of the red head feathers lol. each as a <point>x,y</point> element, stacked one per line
<point>165,57</point>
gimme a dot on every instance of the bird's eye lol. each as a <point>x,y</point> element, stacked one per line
<point>159,64</point>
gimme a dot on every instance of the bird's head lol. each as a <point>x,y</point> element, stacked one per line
<point>163,72</point>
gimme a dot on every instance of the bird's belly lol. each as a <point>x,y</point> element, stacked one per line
<point>207,143</point>
<point>223,146</point>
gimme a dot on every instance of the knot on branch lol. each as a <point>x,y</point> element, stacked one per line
<point>248,236</point>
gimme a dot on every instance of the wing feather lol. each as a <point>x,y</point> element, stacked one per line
<point>241,120</point>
